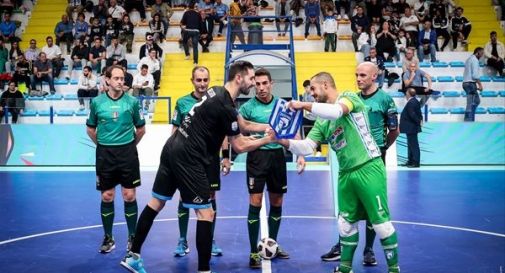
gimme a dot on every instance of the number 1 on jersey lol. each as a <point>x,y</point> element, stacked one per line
<point>192,111</point>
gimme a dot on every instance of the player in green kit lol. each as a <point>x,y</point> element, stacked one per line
<point>266,165</point>
<point>200,78</point>
<point>343,122</point>
<point>116,126</point>
<point>383,118</point>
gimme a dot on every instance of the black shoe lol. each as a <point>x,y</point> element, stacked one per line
<point>254,260</point>
<point>108,244</point>
<point>333,254</point>
<point>281,254</point>
<point>369,257</point>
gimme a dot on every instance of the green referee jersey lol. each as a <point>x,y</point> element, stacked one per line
<point>257,111</point>
<point>380,107</point>
<point>182,108</point>
<point>115,119</point>
<point>349,136</point>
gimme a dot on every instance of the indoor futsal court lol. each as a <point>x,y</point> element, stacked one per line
<point>446,219</point>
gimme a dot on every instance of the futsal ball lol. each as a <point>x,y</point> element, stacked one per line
<point>267,248</point>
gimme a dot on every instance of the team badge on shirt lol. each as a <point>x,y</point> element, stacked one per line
<point>211,92</point>
<point>234,126</point>
<point>115,115</point>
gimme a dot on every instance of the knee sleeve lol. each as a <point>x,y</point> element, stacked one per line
<point>384,230</point>
<point>345,228</point>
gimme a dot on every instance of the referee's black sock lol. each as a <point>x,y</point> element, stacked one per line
<point>143,226</point>
<point>130,213</point>
<point>107,213</point>
<point>203,244</point>
<point>214,207</point>
<point>274,221</point>
<point>253,226</point>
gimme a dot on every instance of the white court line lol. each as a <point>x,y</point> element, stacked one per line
<point>266,265</point>
<point>245,217</point>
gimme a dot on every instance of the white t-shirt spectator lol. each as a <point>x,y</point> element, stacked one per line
<point>116,12</point>
<point>139,80</point>
<point>405,23</point>
<point>153,64</point>
<point>52,52</point>
<point>87,83</point>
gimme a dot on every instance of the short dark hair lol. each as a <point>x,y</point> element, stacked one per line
<point>49,37</point>
<point>144,66</point>
<point>493,32</point>
<point>192,5</point>
<point>263,72</point>
<point>306,83</point>
<point>87,67</point>
<point>108,71</point>
<point>476,50</point>
<point>239,67</point>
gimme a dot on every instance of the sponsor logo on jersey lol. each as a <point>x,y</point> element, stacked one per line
<point>211,92</point>
<point>339,145</point>
<point>338,131</point>
<point>234,126</point>
<point>198,200</point>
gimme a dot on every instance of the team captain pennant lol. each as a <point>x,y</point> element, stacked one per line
<point>285,122</point>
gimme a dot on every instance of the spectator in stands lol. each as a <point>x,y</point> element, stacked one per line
<point>413,78</point>
<point>79,56</point>
<point>32,53</point>
<point>251,9</point>
<point>236,23</point>
<point>494,51</point>
<point>14,53</point>
<point>8,29</point>
<point>143,84</point>
<point>387,10</point>
<point>53,54</point>
<point>116,11</point>
<point>137,5</point>
<point>394,23</point>
<point>74,5</point>
<point>63,32</point>
<point>80,27</point>
<point>441,26</point>
<point>411,120</point>
<point>7,6</point>
<point>128,82</point>
<point>42,71</point>
<point>379,61</point>
<point>87,86</point>
<point>125,31</point>
<point>165,12</point>
<point>13,100</point>
<point>4,58</point>
<point>95,30</point>
<point>410,57</point>
<point>358,20</point>
<point>190,25</point>
<point>460,27</point>
<point>438,6</point>
<point>150,44</point>
<point>345,5</point>
<point>116,54</point>
<point>157,29</point>
<point>401,44</point>
<point>100,12</point>
<point>154,66</point>
<point>22,73</point>
<point>111,29</point>
<point>427,41</point>
<point>410,23</point>
<point>205,38</point>
<point>472,83</point>
<point>330,28</point>
<point>400,6</point>
<point>281,9</point>
<point>102,84</point>
<point>220,15</point>
<point>312,13</point>
<point>97,56</point>
<point>421,10</point>
<point>363,41</point>
<point>374,11</point>
<point>208,8</point>
<point>386,42</point>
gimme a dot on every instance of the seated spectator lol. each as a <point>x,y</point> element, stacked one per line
<point>128,82</point>
<point>79,56</point>
<point>312,13</point>
<point>143,84</point>
<point>460,27</point>
<point>13,100</point>
<point>87,86</point>
<point>386,42</point>
<point>441,26</point>
<point>97,56</point>
<point>111,29</point>
<point>4,57</point>
<point>53,53</point>
<point>345,5</point>
<point>427,41</point>
<point>157,29</point>
<point>207,7</point>
<point>116,54</point>
<point>409,22</point>
<point>236,23</point>
<point>440,7</point>
<point>80,27</point>
<point>102,83</point>
<point>374,11</point>
<point>154,66</point>
<point>379,61</point>
<point>116,11</point>
<point>494,51</point>
<point>165,12</point>
<point>358,20</point>
<point>401,44</point>
<point>251,9</point>
<point>413,78</point>
<point>96,30</point>
<point>421,10</point>
<point>42,71</point>
<point>32,53</point>
<point>296,6</point>
<point>22,74</point>
<point>410,57</point>
<point>74,5</point>
<point>138,5</point>
<point>7,6</point>
<point>100,12</point>
<point>400,6</point>
<point>63,32</point>
<point>363,41</point>
<point>205,38</point>
<point>8,29</point>
<point>221,12</point>
<point>14,53</point>
<point>281,9</point>
<point>330,28</point>
<point>150,44</point>
<point>125,31</point>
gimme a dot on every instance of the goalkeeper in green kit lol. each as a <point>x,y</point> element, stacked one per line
<point>342,120</point>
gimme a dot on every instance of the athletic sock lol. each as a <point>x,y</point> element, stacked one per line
<point>144,224</point>
<point>253,226</point>
<point>130,212</point>
<point>274,221</point>
<point>348,245</point>
<point>214,207</point>
<point>203,244</point>
<point>183,215</point>
<point>107,213</point>
<point>390,245</point>
<point>370,235</point>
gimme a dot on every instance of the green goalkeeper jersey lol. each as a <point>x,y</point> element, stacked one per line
<point>349,136</point>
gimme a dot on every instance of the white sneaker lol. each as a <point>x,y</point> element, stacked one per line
<point>318,154</point>
<point>339,17</point>
<point>346,17</point>
<point>186,58</point>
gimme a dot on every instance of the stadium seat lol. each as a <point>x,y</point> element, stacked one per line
<point>451,94</point>
<point>65,113</point>
<point>389,65</point>
<point>457,110</point>
<point>489,94</point>
<point>81,113</point>
<point>424,64</point>
<point>481,110</point>
<point>439,110</point>
<point>502,93</point>
<point>440,64</point>
<point>396,94</point>
<point>459,78</point>
<point>445,79</point>
<point>70,97</point>
<point>132,66</point>
<point>498,79</point>
<point>74,81</point>
<point>60,81</point>
<point>485,78</point>
<point>54,97</point>
<point>35,98</point>
<point>29,113</point>
<point>457,64</point>
<point>496,110</point>
<point>44,113</point>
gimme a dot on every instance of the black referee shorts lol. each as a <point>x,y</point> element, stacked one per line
<point>267,167</point>
<point>117,165</point>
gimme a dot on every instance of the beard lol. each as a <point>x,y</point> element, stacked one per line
<point>244,89</point>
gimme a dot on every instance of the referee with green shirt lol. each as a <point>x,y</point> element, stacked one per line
<point>383,119</point>
<point>266,165</point>
<point>116,126</point>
